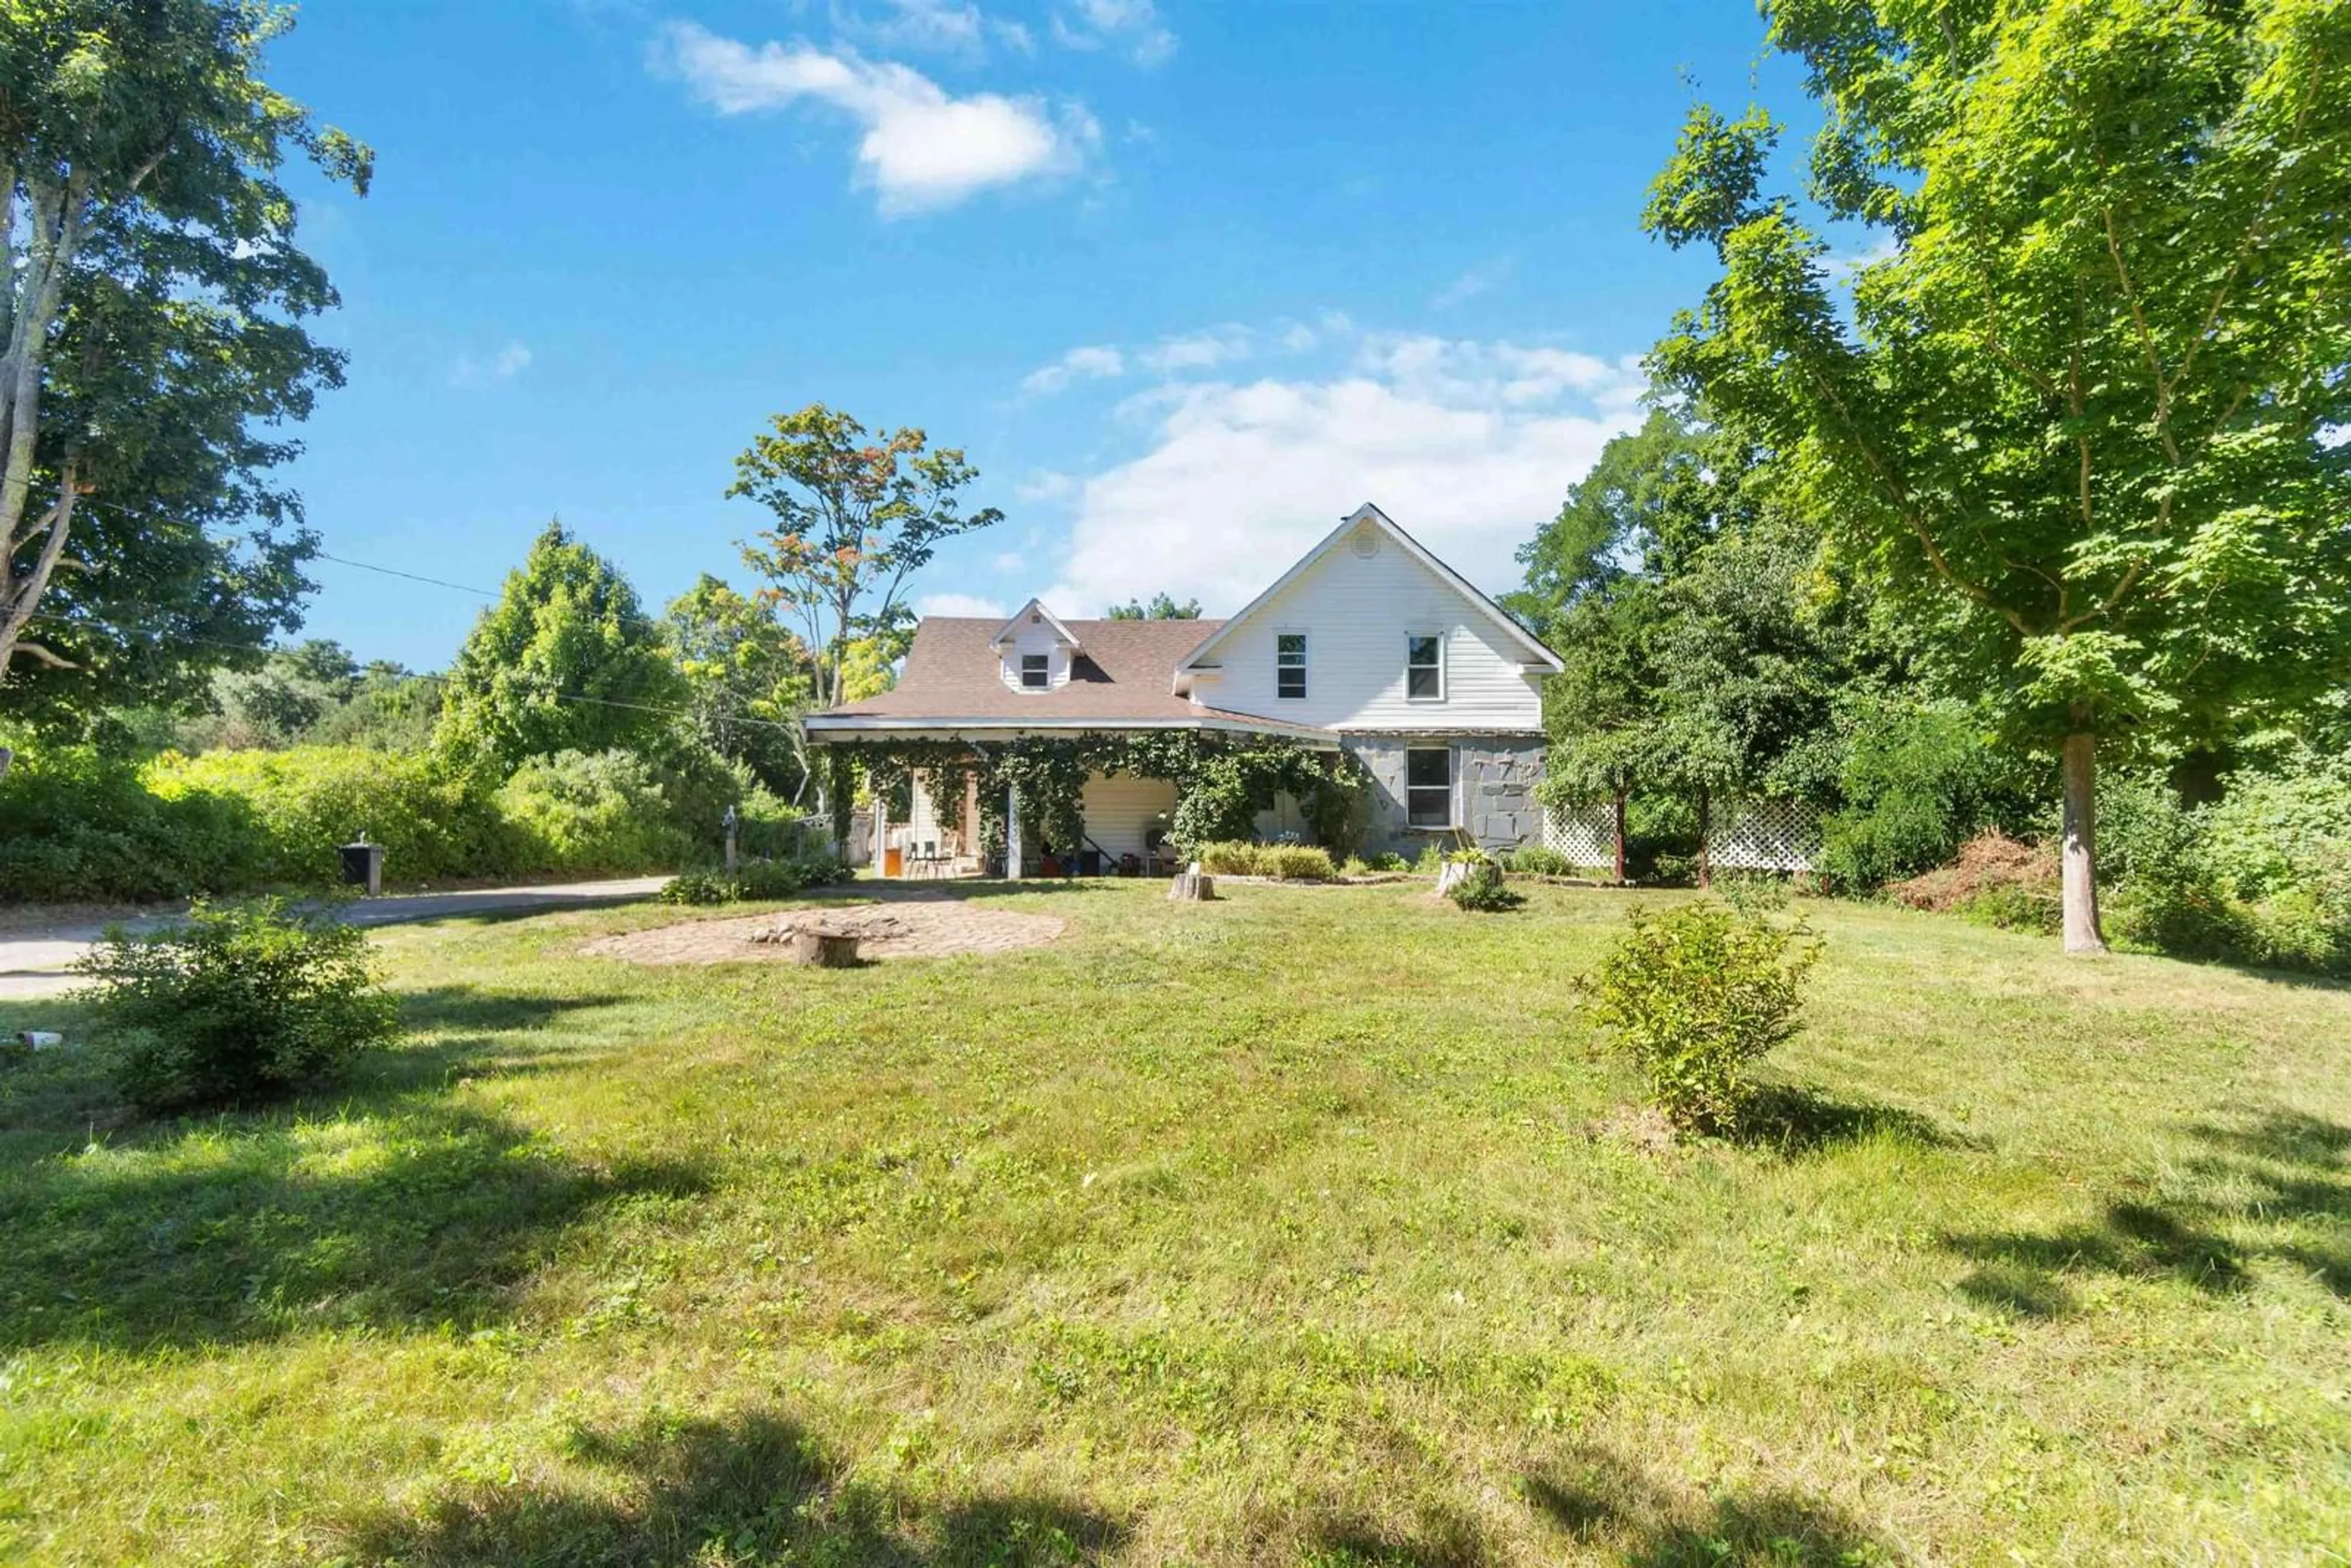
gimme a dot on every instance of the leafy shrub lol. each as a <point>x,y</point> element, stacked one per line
<point>1667,870</point>
<point>752,881</point>
<point>433,823</point>
<point>1919,779</point>
<point>1390,860</point>
<point>600,812</point>
<point>1292,862</point>
<point>1296,862</point>
<point>1431,860</point>
<point>1480,888</point>
<point>240,1003</point>
<point>77,823</point>
<point>1694,996</point>
<point>1539,860</point>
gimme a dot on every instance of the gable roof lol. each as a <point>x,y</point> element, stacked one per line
<point>1035,607</point>
<point>1367,512</point>
<point>953,679</point>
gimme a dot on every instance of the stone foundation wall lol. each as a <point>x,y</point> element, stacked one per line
<point>1494,778</point>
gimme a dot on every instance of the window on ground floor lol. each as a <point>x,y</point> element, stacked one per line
<point>1428,786</point>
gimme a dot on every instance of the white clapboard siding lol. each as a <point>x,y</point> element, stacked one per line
<point>1120,811</point>
<point>1035,637</point>
<point>1356,612</point>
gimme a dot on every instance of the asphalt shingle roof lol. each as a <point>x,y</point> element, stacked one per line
<point>1124,672</point>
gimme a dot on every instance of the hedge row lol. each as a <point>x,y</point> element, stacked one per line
<point>75,824</point>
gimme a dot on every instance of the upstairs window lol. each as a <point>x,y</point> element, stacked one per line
<point>1290,665</point>
<point>1428,786</point>
<point>1424,668</point>
<point>1036,672</point>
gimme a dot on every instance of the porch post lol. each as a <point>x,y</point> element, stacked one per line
<point>880,828</point>
<point>1011,834</point>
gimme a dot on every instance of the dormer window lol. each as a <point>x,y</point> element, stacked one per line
<point>1036,672</point>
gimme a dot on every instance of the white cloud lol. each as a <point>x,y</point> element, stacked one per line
<point>1475,281</point>
<point>960,604</point>
<point>1046,485</point>
<point>503,366</point>
<point>944,27</point>
<point>1095,362</point>
<point>1199,350</point>
<point>1133,25</point>
<point>921,147</point>
<point>1469,446</point>
<point>1009,561</point>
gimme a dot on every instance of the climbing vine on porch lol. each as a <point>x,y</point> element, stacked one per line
<point>1220,784</point>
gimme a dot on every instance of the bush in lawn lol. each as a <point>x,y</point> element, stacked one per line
<point>1480,888</point>
<point>1295,863</point>
<point>239,1003</point>
<point>1695,994</point>
<point>1539,860</point>
<point>1288,862</point>
<point>753,879</point>
<point>587,813</point>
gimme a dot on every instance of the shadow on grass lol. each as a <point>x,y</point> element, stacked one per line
<point>247,1227</point>
<point>753,1488</point>
<point>1598,1500</point>
<point>1795,1119</point>
<point>2254,1189</point>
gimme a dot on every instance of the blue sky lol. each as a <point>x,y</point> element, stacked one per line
<point>1186,282</point>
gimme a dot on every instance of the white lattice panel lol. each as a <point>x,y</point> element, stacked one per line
<point>1587,835</point>
<point>1763,835</point>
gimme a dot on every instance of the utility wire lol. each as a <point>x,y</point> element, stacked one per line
<point>412,577</point>
<point>56,620</point>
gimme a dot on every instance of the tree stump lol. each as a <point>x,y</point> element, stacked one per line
<point>1193,884</point>
<point>824,949</point>
<point>1451,873</point>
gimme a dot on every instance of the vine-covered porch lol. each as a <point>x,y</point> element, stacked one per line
<point>1090,803</point>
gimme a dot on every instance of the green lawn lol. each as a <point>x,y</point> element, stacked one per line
<point>1309,1225</point>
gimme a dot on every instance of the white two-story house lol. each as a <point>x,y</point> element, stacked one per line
<point>1369,644</point>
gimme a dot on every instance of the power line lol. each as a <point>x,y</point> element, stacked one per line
<point>732,716</point>
<point>411,576</point>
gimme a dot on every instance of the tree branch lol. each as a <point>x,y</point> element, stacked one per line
<point>2145,337</point>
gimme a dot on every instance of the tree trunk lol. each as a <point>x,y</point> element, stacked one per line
<point>1705,831</point>
<point>1192,885</point>
<point>824,949</point>
<point>2080,852</point>
<point>1620,835</point>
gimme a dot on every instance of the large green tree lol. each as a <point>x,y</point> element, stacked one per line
<point>152,348</point>
<point>566,660</point>
<point>747,679</point>
<point>856,515</point>
<point>2083,412</point>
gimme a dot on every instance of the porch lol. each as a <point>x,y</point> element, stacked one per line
<point>1125,819</point>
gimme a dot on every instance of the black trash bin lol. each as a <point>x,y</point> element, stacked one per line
<point>363,866</point>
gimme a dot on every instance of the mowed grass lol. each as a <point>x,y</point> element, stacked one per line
<point>1309,1226</point>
